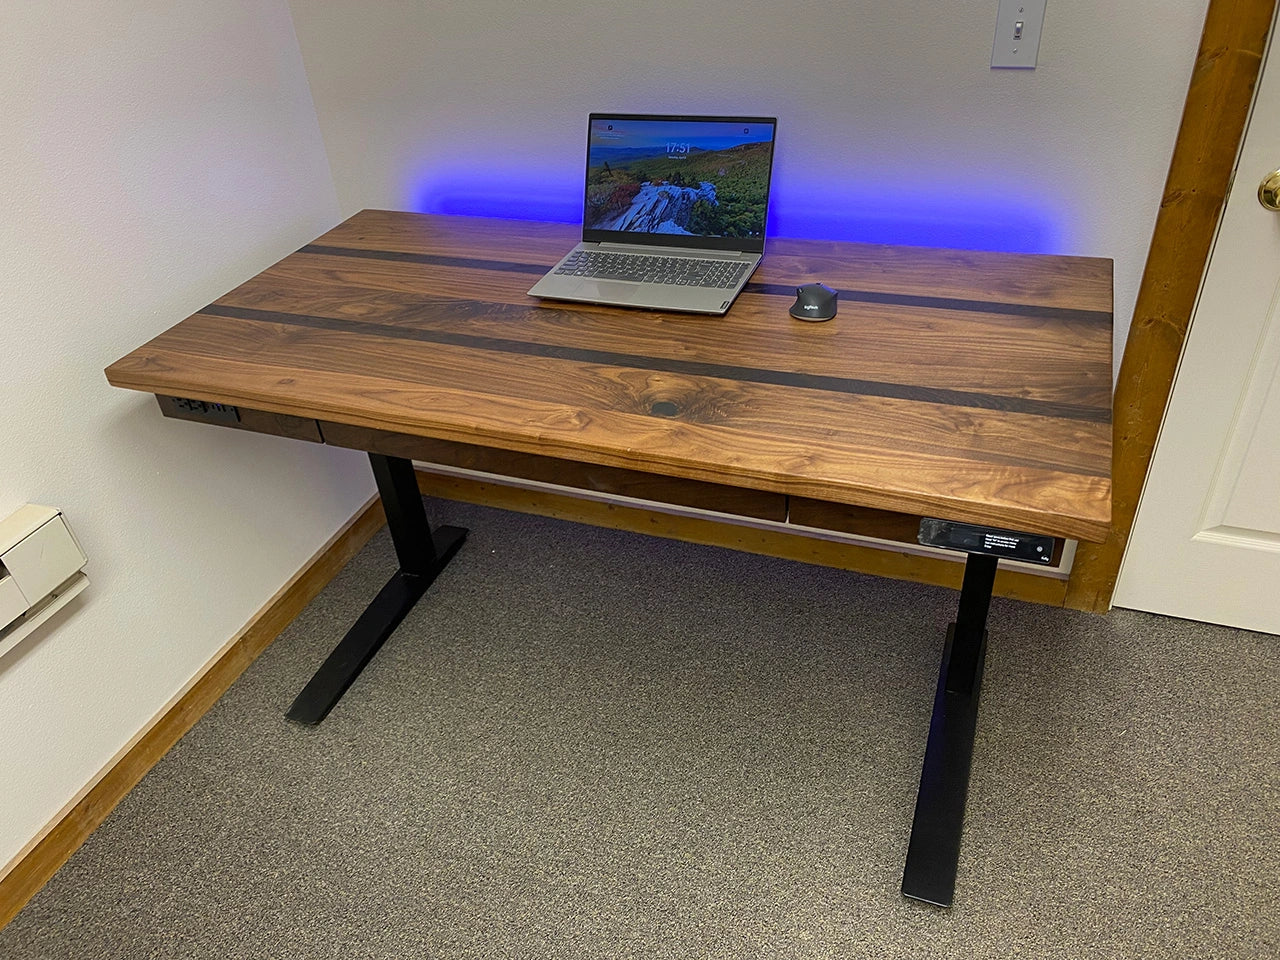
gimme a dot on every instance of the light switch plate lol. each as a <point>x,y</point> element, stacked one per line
<point>1017,42</point>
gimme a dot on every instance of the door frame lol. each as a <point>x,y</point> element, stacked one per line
<point>1214,116</point>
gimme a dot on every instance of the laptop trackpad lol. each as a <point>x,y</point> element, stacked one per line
<point>608,291</point>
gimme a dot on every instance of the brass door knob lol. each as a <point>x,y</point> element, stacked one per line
<point>1269,191</point>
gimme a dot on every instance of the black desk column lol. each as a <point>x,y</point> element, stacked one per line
<point>421,556</point>
<point>934,851</point>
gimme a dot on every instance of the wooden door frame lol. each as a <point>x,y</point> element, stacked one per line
<point>1226,72</point>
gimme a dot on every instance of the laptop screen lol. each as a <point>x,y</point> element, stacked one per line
<point>679,181</point>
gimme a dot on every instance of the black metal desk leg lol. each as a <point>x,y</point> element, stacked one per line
<point>934,850</point>
<point>421,558</point>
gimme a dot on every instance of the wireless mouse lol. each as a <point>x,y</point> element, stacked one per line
<point>814,301</point>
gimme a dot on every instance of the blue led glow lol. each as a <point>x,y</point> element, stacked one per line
<point>480,193</point>
<point>967,217</point>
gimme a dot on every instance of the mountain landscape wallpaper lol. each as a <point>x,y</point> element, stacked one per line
<point>670,178</point>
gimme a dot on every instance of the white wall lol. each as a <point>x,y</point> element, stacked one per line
<point>892,125</point>
<point>154,154</point>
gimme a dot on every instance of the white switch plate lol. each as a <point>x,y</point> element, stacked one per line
<point>1017,42</point>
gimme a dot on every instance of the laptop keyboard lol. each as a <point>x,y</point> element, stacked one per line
<point>643,268</point>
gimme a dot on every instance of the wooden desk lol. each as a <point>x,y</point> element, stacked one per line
<point>965,386</point>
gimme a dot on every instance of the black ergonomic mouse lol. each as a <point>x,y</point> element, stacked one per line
<point>814,301</point>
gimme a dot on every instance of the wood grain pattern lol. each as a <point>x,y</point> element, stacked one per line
<point>970,386</point>
<point>1213,122</point>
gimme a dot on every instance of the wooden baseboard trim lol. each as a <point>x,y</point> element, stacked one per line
<point>36,863</point>
<point>882,562</point>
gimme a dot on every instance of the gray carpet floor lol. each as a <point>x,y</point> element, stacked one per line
<point>585,743</point>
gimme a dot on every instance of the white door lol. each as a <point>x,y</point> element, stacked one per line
<point>1206,541</point>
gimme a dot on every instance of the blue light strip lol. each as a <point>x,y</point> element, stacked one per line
<point>960,216</point>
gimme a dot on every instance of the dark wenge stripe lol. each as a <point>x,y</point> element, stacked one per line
<point>768,289</point>
<point>434,259</point>
<point>1066,314</point>
<point>870,388</point>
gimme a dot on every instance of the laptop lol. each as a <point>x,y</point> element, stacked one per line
<point>674,212</point>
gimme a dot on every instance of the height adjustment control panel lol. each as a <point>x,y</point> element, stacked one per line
<point>1009,544</point>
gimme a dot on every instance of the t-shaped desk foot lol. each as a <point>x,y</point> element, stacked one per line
<point>421,557</point>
